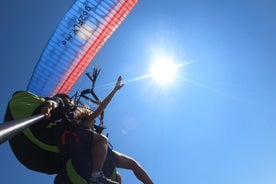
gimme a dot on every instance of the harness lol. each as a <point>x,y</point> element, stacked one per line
<point>28,149</point>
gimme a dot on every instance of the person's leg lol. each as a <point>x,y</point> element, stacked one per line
<point>99,151</point>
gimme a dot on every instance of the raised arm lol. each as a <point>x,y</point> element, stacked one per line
<point>107,99</point>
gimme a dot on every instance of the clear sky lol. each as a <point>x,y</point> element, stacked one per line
<point>214,123</point>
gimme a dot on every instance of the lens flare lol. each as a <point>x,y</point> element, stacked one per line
<point>163,70</point>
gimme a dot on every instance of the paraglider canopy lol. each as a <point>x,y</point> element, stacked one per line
<point>81,33</point>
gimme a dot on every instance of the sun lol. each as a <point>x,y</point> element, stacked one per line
<point>163,70</point>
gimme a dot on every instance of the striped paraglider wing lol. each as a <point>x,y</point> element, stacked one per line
<point>77,39</point>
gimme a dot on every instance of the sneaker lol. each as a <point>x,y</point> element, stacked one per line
<point>101,180</point>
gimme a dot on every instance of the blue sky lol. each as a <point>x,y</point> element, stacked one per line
<point>214,124</point>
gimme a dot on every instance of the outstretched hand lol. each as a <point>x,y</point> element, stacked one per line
<point>107,99</point>
<point>118,83</point>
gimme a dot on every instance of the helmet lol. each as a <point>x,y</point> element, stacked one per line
<point>63,99</point>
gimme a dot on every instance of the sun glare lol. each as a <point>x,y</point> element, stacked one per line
<point>163,71</point>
